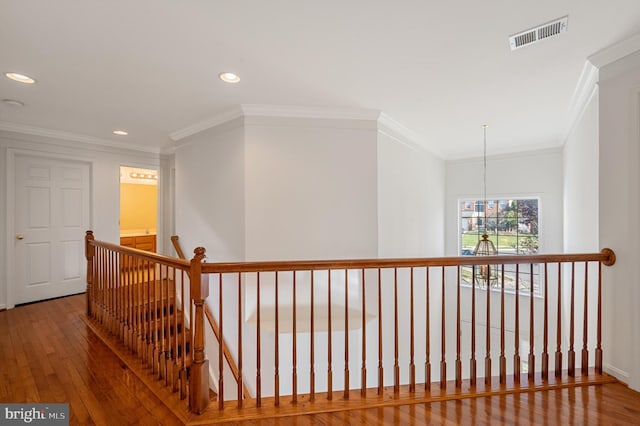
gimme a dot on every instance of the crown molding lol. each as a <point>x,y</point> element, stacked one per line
<point>394,129</point>
<point>216,120</point>
<point>279,111</point>
<point>293,111</point>
<point>616,51</point>
<point>68,136</point>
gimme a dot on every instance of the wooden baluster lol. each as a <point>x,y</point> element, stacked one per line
<point>503,359</point>
<point>531,359</point>
<point>363,370</point>
<point>240,376</point>
<point>487,358</point>
<point>121,296</point>
<point>572,353</point>
<point>346,334</point>
<point>412,366</point>
<point>115,305</point>
<point>545,342</point>
<point>168,324</point>
<point>162,346</point>
<point>558,358</point>
<point>472,361</point>
<point>276,385</point>
<point>110,292</point>
<point>598,363</point>
<point>443,358</point>
<point>585,352</point>
<point>396,365</point>
<point>89,254</point>
<point>380,368</point>
<point>182,375</point>
<point>103,286</point>
<point>146,321</point>
<point>135,338</point>
<point>199,370</point>
<point>312,355</point>
<point>516,356</point>
<point>294,373</point>
<point>107,288</point>
<point>128,296</point>
<point>458,329</point>
<point>175,341</point>
<point>220,346</point>
<point>135,311</point>
<point>427,355</point>
<point>104,293</point>
<point>329,349</point>
<point>107,279</point>
<point>124,271</point>
<point>151,319</point>
<point>258,378</point>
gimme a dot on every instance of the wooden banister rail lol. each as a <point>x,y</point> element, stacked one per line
<point>452,314</point>
<point>330,335</point>
<point>606,256</point>
<point>176,246</point>
<point>153,304</point>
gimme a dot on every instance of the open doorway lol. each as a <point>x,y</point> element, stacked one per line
<point>138,208</point>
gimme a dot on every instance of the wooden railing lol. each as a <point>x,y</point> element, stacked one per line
<point>154,306</point>
<point>413,329</point>
<point>175,241</point>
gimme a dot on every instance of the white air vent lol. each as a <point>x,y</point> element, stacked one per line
<point>538,33</point>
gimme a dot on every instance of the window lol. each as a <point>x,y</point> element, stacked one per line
<point>512,226</point>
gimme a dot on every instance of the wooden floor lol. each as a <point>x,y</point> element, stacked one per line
<point>48,354</point>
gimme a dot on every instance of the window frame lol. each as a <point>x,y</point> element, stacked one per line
<point>497,202</point>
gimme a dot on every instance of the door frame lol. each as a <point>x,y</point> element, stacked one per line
<point>12,153</point>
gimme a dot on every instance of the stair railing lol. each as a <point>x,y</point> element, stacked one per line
<point>175,240</point>
<point>154,305</point>
<point>415,330</point>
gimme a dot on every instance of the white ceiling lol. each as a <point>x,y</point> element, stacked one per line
<point>439,68</point>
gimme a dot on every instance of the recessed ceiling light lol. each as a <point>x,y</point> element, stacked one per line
<point>120,132</point>
<point>229,77</point>
<point>13,103</point>
<point>20,78</point>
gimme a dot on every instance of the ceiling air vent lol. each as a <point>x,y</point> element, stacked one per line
<point>538,33</point>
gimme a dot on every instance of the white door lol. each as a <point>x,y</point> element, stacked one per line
<point>51,216</point>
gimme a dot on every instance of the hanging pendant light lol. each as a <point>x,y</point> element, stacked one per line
<point>485,274</point>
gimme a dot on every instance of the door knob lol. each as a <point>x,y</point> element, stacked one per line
<point>19,237</point>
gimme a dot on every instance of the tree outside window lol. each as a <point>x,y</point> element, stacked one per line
<point>512,226</point>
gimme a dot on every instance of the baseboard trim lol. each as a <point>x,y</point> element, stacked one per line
<point>621,375</point>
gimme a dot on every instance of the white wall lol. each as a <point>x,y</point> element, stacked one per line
<point>105,183</point>
<point>580,167</point>
<point>411,189</point>
<point>619,188</point>
<point>310,189</point>
<point>209,192</point>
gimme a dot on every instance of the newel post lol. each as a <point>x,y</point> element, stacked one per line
<point>199,374</point>
<point>89,251</point>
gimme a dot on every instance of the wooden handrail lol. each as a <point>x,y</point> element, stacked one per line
<point>405,287</point>
<point>177,247</point>
<point>226,352</point>
<point>139,297</point>
<point>606,256</point>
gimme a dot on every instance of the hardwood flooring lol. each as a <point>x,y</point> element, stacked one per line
<point>48,354</point>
